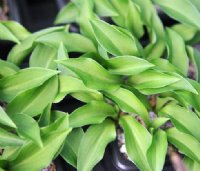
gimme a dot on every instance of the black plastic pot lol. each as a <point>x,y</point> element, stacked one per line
<point>61,165</point>
<point>37,14</point>
<point>61,3</point>
<point>122,164</point>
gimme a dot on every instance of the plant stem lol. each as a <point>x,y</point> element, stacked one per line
<point>176,160</point>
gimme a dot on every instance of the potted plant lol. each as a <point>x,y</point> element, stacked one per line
<point>128,87</point>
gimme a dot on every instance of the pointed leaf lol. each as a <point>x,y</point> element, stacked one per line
<point>157,151</point>
<point>21,51</point>
<point>158,122</point>
<point>68,85</point>
<point>128,65</point>
<point>190,98</point>
<point>45,117</point>
<point>137,140</point>
<point>32,102</point>
<point>152,79</point>
<point>58,124</point>
<point>7,68</point>
<point>6,34</point>
<point>9,139</point>
<point>10,153</point>
<point>113,40</point>
<point>175,55</point>
<point>186,143</point>
<point>104,8</point>
<point>70,41</point>
<point>183,119</point>
<point>187,32</point>
<point>182,10</point>
<point>5,119</point>
<point>28,128</point>
<point>23,80</point>
<point>16,29</point>
<point>41,157</point>
<point>67,14</point>
<point>99,81</point>
<point>92,113</point>
<point>93,144</point>
<point>43,56</point>
<point>72,143</point>
<point>128,102</point>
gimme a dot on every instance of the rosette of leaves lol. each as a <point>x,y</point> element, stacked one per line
<point>115,76</point>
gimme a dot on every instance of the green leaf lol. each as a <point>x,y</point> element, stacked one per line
<point>190,98</point>
<point>114,40</point>
<point>191,164</point>
<point>186,143</point>
<point>9,139</point>
<point>43,56</point>
<point>62,53</point>
<point>45,117</point>
<point>187,32</point>
<point>196,4</point>
<point>104,8</point>
<point>154,50</point>
<point>183,119</point>
<point>5,119</point>
<point>128,102</point>
<point>67,14</point>
<point>7,68</point>
<point>137,140</point>
<point>59,123</point>
<point>32,102</point>
<point>157,151</point>
<point>93,144</point>
<point>56,114</point>
<point>70,41</point>
<point>129,16</point>
<point>28,128</point>
<point>94,112</point>
<point>23,80</point>
<point>6,34</point>
<point>16,29</point>
<point>152,79</point>
<point>128,65</point>
<point>157,122</point>
<point>71,85</point>
<point>150,18</point>
<point>165,65</point>
<point>182,10</point>
<point>10,30</point>
<point>41,157</point>
<point>72,143</point>
<point>102,80</point>
<point>175,55</point>
<point>10,153</point>
<point>154,82</point>
<point>133,20</point>
<point>22,50</point>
